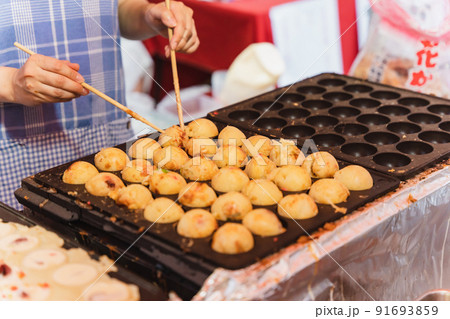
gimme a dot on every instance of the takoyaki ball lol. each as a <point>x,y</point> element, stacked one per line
<point>230,155</point>
<point>355,178</point>
<point>197,194</point>
<point>111,290</point>
<point>231,135</point>
<point>137,171</point>
<point>199,169</point>
<point>197,223</point>
<point>170,157</point>
<point>143,148</point>
<point>231,206</point>
<point>297,206</point>
<point>262,192</point>
<point>286,152</point>
<point>257,144</point>
<point>329,191</point>
<point>291,178</point>
<point>321,165</point>
<point>201,146</point>
<point>232,238</point>
<point>259,167</point>
<point>263,222</point>
<point>79,173</point>
<point>229,179</point>
<point>133,196</point>
<point>163,210</point>
<point>202,128</point>
<point>166,183</point>
<point>111,159</point>
<point>103,183</point>
<point>173,136</point>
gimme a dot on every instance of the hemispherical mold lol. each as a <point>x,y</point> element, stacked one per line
<point>267,106</point>
<point>358,149</point>
<point>440,109</point>
<point>344,111</point>
<point>385,95</point>
<point>424,118</point>
<point>414,148</point>
<point>391,159</point>
<point>294,113</point>
<point>357,88</point>
<point>290,98</point>
<point>403,128</point>
<point>373,119</point>
<point>413,101</point>
<point>310,89</point>
<point>270,123</point>
<point>445,126</point>
<point>322,120</point>
<point>365,103</point>
<point>297,131</point>
<point>328,140</point>
<point>393,110</point>
<point>317,104</point>
<point>351,129</point>
<point>332,82</point>
<point>381,138</point>
<point>337,96</point>
<point>243,115</point>
<point>435,137</point>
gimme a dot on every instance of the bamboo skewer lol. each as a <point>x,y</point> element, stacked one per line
<point>102,95</point>
<point>176,84</point>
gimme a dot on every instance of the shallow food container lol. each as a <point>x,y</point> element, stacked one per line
<point>391,130</point>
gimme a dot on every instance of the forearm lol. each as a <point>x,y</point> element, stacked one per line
<point>132,19</point>
<point>6,90</point>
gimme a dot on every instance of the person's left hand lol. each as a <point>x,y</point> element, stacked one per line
<point>180,18</point>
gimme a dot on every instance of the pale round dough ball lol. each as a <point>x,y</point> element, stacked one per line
<point>262,192</point>
<point>257,144</point>
<point>201,146</point>
<point>231,135</point>
<point>166,183</point>
<point>143,148</point>
<point>75,274</point>
<point>232,238</point>
<point>297,206</point>
<point>163,210</point>
<point>197,223</point>
<point>263,222</point>
<point>229,179</point>
<point>329,191</point>
<point>111,159</point>
<point>197,194</point>
<point>133,196</point>
<point>321,165</point>
<point>137,171</point>
<point>230,155</point>
<point>355,178</point>
<point>173,136</point>
<point>201,128</point>
<point>79,173</point>
<point>199,169</point>
<point>231,206</point>
<point>286,152</point>
<point>170,157</point>
<point>259,167</point>
<point>108,291</point>
<point>103,183</point>
<point>291,178</point>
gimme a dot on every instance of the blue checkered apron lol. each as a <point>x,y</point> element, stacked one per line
<point>33,139</point>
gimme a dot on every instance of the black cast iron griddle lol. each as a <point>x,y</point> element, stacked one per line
<point>391,130</point>
<point>127,225</point>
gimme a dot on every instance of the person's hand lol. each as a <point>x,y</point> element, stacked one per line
<point>180,18</point>
<point>47,80</point>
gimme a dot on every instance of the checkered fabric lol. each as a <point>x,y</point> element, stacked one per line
<point>20,158</point>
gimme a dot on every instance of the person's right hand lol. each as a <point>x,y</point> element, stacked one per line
<point>45,79</point>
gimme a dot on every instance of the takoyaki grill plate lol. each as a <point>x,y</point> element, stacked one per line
<point>391,130</point>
